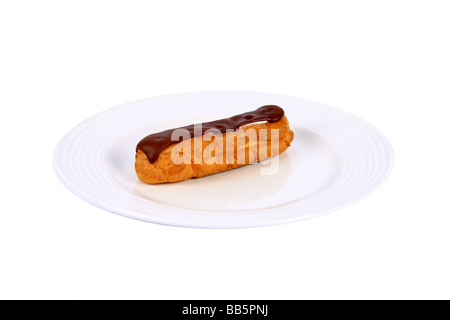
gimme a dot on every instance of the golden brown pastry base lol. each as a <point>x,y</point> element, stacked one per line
<point>165,170</point>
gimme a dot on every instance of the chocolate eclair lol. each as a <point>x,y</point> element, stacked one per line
<point>202,149</point>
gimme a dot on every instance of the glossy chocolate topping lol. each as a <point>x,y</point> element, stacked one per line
<point>153,144</point>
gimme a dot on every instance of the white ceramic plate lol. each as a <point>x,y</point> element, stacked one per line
<point>334,160</point>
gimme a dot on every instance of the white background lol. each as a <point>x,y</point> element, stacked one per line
<point>385,61</point>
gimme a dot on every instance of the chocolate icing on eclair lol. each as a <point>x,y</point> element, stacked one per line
<point>153,144</point>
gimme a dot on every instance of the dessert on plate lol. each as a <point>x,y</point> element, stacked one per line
<point>207,148</point>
